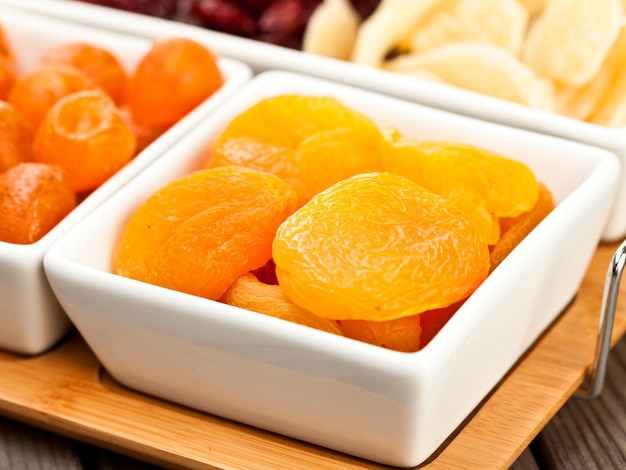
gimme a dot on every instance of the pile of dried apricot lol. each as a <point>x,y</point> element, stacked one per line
<point>78,116</point>
<point>307,211</point>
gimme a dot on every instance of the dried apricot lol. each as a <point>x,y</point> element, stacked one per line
<point>515,229</point>
<point>312,142</point>
<point>252,153</point>
<point>35,92</point>
<point>204,230</point>
<point>34,197</point>
<point>432,321</point>
<point>286,120</point>
<point>406,334</point>
<point>250,293</point>
<point>487,181</point>
<point>400,334</point>
<point>378,246</point>
<point>100,65</point>
<point>85,133</point>
<point>328,157</point>
<point>16,137</point>
<point>172,78</point>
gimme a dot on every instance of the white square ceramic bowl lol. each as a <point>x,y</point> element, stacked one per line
<point>263,57</point>
<point>31,320</point>
<point>382,405</point>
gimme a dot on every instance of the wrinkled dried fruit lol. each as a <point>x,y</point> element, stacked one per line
<point>483,184</point>
<point>251,294</point>
<point>378,246</point>
<point>204,230</point>
<point>34,197</point>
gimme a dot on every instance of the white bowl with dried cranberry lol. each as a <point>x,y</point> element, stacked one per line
<point>388,406</point>
<point>31,319</point>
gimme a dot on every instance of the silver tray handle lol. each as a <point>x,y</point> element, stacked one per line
<point>593,381</point>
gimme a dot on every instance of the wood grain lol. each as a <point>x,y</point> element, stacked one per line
<point>66,391</point>
<point>589,434</point>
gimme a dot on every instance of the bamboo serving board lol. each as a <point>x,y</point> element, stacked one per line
<point>67,391</point>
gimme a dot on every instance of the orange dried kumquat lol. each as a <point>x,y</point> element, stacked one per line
<point>16,137</point>
<point>144,134</point>
<point>5,47</point>
<point>34,197</point>
<point>8,76</point>
<point>35,92</point>
<point>98,64</point>
<point>330,253</point>
<point>85,133</point>
<point>173,77</point>
<point>201,232</point>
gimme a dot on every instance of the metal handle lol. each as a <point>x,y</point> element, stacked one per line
<point>594,375</point>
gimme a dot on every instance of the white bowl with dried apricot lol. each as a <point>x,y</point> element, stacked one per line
<point>335,265</point>
<point>70,137</point>
<point>517,62</point>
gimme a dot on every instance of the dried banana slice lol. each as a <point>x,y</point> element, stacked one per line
<point>534,7</point>
<point>581,102</point>
<point>570,39</point>
<point>483,68</point>
<point>611,111</point>
<point>332,29</point>
<point>500,22</point>
<point>390,24</point>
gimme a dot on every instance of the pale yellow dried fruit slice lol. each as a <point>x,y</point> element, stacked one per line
<point>483,68</point>
<point>534,7</point>
<point>331,30</point>
<point>421,74</point>
<point>611,111</point>
<point>581,102</point>
<point>571,39</point>
<point>391,23</point>
<point>501,22</point>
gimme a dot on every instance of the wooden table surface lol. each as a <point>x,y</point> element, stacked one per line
<point>584,434</point>
<point>66,391</point>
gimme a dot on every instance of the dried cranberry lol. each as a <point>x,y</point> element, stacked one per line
<point>253,7</point>
<point>224,16</point>
<point>285,17</point>
<point>280,39</point>
<point>184,13</point>
<point>158,8</point>
<point>365,7</point>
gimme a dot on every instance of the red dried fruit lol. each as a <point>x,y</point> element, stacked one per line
<point>224,16</point>
<point>158,8</point>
